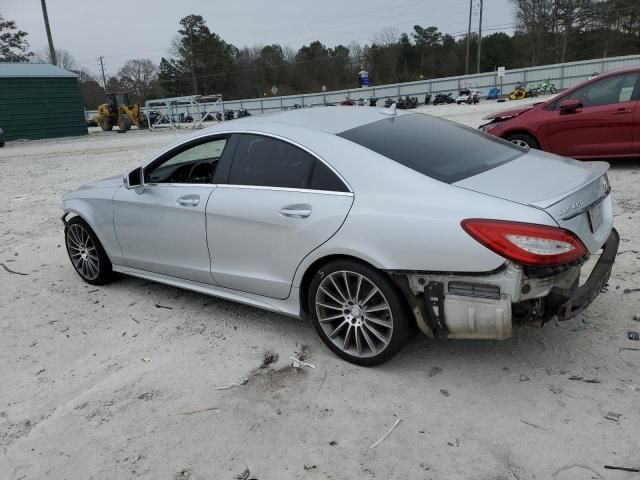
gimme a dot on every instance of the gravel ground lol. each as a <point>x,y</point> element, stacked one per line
<point>99,383</point>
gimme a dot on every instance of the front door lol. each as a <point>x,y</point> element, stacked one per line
<point>280,204</point>
<point>163,228</point>
<point>603,125</point>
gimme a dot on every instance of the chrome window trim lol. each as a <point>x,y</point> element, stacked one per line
<point>285,189</point>
<point>265,134</point>
<point>212,185</point>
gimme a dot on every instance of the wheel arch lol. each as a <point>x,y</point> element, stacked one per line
<point>316,265</point>
<point>524,131</point>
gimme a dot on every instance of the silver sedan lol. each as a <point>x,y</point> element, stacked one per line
<point>373,224</point>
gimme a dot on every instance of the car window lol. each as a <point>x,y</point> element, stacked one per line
<point>194,164</point>
<point>269,162</point>
<point>437,148</point>
<point>606,91</point>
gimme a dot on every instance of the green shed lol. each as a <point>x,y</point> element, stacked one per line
<point>39,100</point>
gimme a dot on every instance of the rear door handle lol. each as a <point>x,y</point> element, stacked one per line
<point>296,211</point>
<point>188,200</point>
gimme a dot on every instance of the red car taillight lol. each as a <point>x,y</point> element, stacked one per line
<point>526,243</point>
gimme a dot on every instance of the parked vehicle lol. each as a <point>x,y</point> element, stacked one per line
<point>337,216</point>
<point>443,98</point>
<point>545,87</point>
<point>373,101</point>
<point>347,102</point>
<point>427,99</point>
<point>519,92</point>
<point>2,138</point>
<point>598,118</point>
<point>406,102</point>
<point>243,112</point>
<point>468,96</point>
<point>229,114</point>
<point>388,102</point>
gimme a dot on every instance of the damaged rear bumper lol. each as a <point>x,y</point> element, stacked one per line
<point>485,305</point>
<point>565,304</point>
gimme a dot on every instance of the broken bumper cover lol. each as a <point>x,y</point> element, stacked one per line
<point>565,304</point>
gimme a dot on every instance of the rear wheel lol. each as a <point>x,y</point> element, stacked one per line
<point>523,140</point>
<point>124,123</point>
<point>359,313</point>
<point>86,253</point>
<point>553,90</point>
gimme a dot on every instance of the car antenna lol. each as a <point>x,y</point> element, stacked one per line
<point>390,111</point>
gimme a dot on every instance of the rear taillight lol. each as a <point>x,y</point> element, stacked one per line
<point>526,243</point>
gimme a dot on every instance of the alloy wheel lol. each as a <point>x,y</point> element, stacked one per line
<point>519,142</point>
<point>354,314</point>
<point>83,252</point>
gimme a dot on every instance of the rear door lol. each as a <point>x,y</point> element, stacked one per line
<point>280,203</point>
<point>603,125</point>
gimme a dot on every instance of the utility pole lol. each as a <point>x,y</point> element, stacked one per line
<point>104,79</point>
<point>52,51</point>
<point>479,38</point>
<point>466,63</point>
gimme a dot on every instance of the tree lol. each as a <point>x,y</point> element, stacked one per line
<point>387,40</point>
<point>64,58</point>
<point>137,77</point>
<point>200,62</point>
<point>13,44</point>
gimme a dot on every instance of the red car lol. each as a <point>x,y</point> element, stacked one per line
<point>598,118</point>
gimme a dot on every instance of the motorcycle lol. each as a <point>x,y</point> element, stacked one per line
<point>468,96</point>
<point>443,98</point>
<point>519,92</point>
<point>388,102</point>
<point>545,87</point>
<point>229,115</point>
<point>243,112</point>
<point>406,102</point>
<point>427,99</point>
<point>373,101</point>
<point>347,101</point>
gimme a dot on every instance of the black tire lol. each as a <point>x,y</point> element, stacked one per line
<point>395,312</point>
<point>105,124</point>
<point>521,139</point>
<point>553,90</point>
<point>124,123</point>
<point>79,240</point>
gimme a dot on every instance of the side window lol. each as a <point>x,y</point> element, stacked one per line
<point>191,164</point>
<point>607,91</point>
<point>269,162</point>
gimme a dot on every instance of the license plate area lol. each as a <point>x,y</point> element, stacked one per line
<point>596,215</point>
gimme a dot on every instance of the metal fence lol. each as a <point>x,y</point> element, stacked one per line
<point>564,75</point>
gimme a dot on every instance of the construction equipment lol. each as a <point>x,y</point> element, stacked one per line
<point>119,112</point>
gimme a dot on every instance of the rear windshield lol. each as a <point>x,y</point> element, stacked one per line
<point>443,150</point>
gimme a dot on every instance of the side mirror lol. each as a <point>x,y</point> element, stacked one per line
<point>567,106</point>
<point>134,180</point>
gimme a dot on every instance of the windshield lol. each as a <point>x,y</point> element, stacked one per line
<point>443,150</point>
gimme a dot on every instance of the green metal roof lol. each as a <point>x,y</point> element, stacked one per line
<point>33,70</point>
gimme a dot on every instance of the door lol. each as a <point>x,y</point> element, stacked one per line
<point>162,228</point>
<point>603,125</point>
<point>279,204</point>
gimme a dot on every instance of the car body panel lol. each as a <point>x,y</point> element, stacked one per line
<point>159,234</point>
<point>254,247</point>
<point>511,112</point>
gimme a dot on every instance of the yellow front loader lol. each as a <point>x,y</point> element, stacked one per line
<point>119,112</point>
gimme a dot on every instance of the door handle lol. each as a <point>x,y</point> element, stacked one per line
<point>296,211</point>
<point>621,111</point>
<point>188,200</point>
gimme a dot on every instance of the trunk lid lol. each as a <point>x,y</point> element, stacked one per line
<point>575,194</point>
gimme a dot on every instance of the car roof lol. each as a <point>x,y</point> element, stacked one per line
<point>332,120</point>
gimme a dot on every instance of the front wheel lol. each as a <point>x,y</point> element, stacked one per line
<point>86,253</point>
<point>359,313</point>
<point>523,140</point>
<point>553,90</point>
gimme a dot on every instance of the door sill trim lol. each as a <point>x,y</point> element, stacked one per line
<point>287,307</point>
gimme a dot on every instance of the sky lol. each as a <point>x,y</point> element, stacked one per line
<point>121,30</point>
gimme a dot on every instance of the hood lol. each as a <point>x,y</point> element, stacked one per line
<point>109,182</point>
<point>536,178</point>
<point>512,112</point>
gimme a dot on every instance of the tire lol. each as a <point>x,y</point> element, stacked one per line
<point>553,90</point>
<point>124,123</point>
<point>523,140</point>
<point>105,124</point>
<point>344,289</point>
<point>85,251</point>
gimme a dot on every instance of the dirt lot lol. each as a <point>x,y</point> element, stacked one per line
<point>79,401</point>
